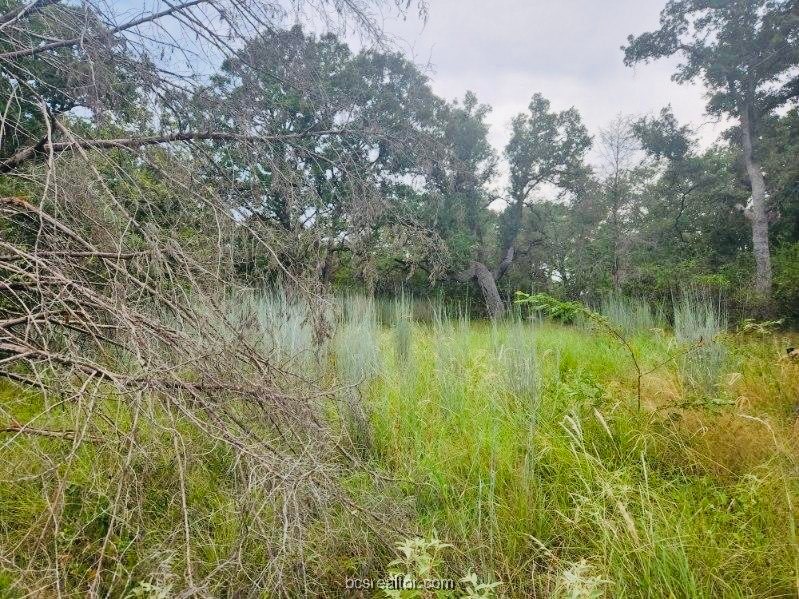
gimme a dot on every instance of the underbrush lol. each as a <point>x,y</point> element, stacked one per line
<point>161,508</point>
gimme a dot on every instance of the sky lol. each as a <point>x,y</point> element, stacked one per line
<point>569,50</point>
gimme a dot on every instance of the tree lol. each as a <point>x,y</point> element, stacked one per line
<point>744,52</point>
<point>620,190</point>
<point>690,223</point>
<point>546,147</point>
<point>459,198</point>
<point>781,147</point>
<point>328,195</point>
<point>584,246</point>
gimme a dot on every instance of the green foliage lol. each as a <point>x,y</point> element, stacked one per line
<point>146,590</point>
<point>752,326</point>
<point>724,43</point>
<point>474,589</point>
<point>419,561</point>
<point>786,279</point>
<point>420,557</point>
<point>42,90</point>
<point>663,137</point>
<point>546,146</point>
<point>607,501</point>
<point>779,146</point>
<point>560,310</point>
<point>420,564</point>
<point>516,441</point>
<point>280,326</point>
<point>570,312</point>
<point>745,52</point>
<point>579,582</point>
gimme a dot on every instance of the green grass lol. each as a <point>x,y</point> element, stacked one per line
<point>528,484</point>
<point>518,443</point>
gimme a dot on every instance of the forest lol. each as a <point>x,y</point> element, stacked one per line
<point>279,320</point>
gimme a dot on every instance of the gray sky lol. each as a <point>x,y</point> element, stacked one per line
<point>569,50</point>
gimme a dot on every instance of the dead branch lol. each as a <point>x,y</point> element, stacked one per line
<point>67,435</point>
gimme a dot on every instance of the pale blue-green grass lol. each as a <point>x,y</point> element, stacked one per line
<point>631,315</point>
<point>700,323</point>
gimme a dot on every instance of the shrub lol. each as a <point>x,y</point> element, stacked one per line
<point>786,279</point>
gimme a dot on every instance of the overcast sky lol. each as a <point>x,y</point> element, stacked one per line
<point>569,50</point>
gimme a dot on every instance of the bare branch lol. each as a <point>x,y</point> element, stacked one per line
<point>24,10</point>
<point>78,41</point>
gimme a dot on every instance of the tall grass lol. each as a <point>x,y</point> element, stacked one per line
<point>517,442</point>
<point>575,493</point>
<point>515,357</point>
<point>699,322</point>
<point>358,360</point>
<point>286,325</point>
<point>402,328</point>
<point>281,327</point>
<point>631,315</point>
<point>357,341</point>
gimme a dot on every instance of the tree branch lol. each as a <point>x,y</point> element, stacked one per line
<point>67,435</point>
<point>24,10</point>
<point>138,142</point>
<point>503,266</point>
<point>466,274</point>
<point>75,41</point>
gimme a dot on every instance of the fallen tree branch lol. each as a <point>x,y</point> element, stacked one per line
<point>24,10</point>
<point>81,40</point>
<point>67,435</point>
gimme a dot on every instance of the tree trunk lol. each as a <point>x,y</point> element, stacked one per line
<point>478,271</point>
<point>485,278</point>
<point>326,271</point>
<point>758,215</point>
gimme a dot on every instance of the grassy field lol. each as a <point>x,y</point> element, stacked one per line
<point>528,454</point>
<point>519,444</point>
